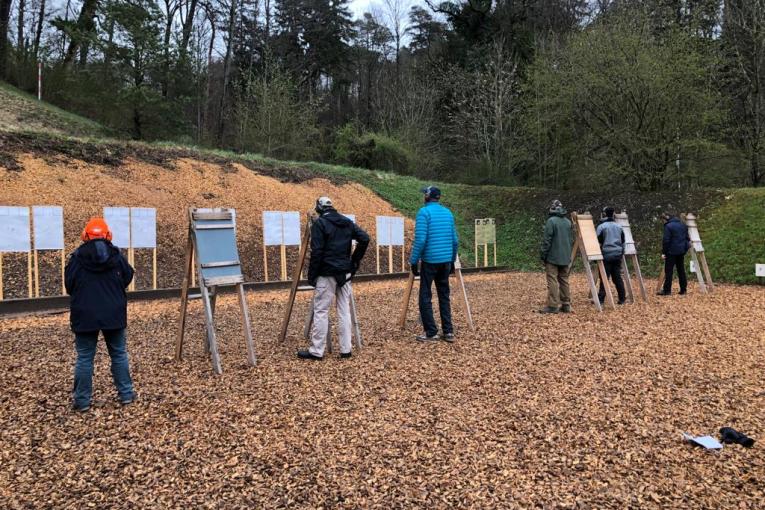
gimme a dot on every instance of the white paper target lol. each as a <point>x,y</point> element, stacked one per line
<point>14,229</point>
<point>281,228</point>
<point>143,227</point>
<point>390,230</point>
<point>692,267</point>
<point>48,223</point>
<point>118,219</point>
<point>759,270</point>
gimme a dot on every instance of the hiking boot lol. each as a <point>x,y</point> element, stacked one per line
<point>426,338</point>
<point>548,309</point>
<point>83,409</point>
<point>565,309</point>
<point>448,337</point>
<point>308,355</point>
<point>126,401</point>
<point>345,355</point>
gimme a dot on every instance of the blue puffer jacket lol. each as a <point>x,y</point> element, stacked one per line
<point>435,236</point>
<point>676,240</point>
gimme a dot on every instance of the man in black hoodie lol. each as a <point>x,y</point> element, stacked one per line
<point>330,270</point>
<point>674,245</point>
<point>96,278</point>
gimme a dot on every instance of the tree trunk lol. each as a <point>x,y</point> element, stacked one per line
<point>754,166</point>
<point>188,24</point>
<point>20,30</point>
<point>5,15</point>
<point>85,25</point>
<point>226,72</point>
<point>38,31</point>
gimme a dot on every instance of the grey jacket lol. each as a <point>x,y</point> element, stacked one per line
<point>611,237</point>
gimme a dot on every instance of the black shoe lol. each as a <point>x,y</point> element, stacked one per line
<point>565,308</point>
<point>426,338</point>
<point>548,309</point>
<point>128,400</point>
<point>81,409</point>
<point>663,293</point>
<point>682,293</point>
<point>621,302</point>
<point>308,355</point>
<point>345,355</point>
<point>448,337</point>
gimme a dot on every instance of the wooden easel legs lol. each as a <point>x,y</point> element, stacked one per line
<point>463,299</point>
<point>355,327</point>
<point>703,275</point>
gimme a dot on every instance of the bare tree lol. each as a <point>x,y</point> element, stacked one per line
<point>396,15</point>
<point>38,30</point>
<point>5,15</point>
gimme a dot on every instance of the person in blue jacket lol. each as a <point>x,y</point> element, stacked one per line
<point>96,277</point>
<point>674,246</point>
<point>435,245</point>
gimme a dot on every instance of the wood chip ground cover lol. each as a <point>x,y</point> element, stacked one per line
<point>581,410</point>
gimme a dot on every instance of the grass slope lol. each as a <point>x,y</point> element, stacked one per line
<point>20,111</point>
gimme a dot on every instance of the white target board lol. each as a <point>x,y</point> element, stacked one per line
<point>143,227</point>
<point>48,223</point>
<point>281,228</point>
<point>759,270</point>
<point>629,241</point>
<point>14,229</point>
<point>118,220</point>
<point>390,230</point>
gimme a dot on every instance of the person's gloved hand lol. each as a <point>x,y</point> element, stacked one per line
<point>451,268</point>
<point>731,435</point>
<point>415,270</point>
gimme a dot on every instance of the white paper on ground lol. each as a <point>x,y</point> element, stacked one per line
<point>118,219</point>
<point>14,229</point>
<point>707,442</point>
<point>48,223</point>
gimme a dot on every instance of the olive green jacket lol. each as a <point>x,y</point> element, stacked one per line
<point>558,239</point>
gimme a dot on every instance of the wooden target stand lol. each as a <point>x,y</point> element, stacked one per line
<point>630,254</point>
<point>697,255</point>
<point>305,242</point>
<point>200,224</point>
<point>463,296</point>
<point>587,245</point>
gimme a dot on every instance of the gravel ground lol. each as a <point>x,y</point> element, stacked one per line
<point>581,410</point>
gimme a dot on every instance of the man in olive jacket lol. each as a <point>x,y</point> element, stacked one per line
<point>557,243</point>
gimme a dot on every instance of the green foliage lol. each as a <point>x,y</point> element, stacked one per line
<point>374,151</point>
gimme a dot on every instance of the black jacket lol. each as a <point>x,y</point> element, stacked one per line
<point>675,240</point>
<point>331,236</point>
<point>96,277</point>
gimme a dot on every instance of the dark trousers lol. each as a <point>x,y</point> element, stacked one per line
<point>614,272</point>
<point>438,273</point>
<point>670,263</point>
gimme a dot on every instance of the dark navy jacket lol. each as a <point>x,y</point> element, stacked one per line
<point>675,241</point>
<point>96,278</point>
<point>331,236</point>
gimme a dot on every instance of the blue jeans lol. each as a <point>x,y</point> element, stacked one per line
<point>438,273</point>
<point>86,343</point>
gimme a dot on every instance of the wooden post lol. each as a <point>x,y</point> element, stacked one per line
<point>37,276</point>
<point>606,285</point>
<point>30,290</point>
<point>1,275</point>
<point>627,279</point>
<point>187,275</point>
<point>246,324</point>
<point>355,320</point>
<point>465,302</point>
<point>377,256</point>
<point>699,275</point>
<point>131,256</point>
<point>296,279</point>
<point>154,269</point>
<point>485,255</point>
<point>707,276</point>
<point>283,255</point>
<point>639,274</point>
<point>495,253</point>
<point>265,261</point>
<point>63,275</point>
<point>405,304</point>
<point>193,273</point>
<point>390,258</point>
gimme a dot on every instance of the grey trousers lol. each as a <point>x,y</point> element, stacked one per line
<point>326,290</point>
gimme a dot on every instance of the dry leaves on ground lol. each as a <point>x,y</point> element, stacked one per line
<point>581,410</point>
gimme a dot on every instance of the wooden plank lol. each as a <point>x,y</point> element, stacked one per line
<point>223,280</point>
<point>30,285</point>
<point>627,280</point>
<point>495,253</point>
<point>405,304</point>
<point>37,276</point>
<point>662,274</point>
<point>283,260</point>
<point>246,325</point>
<point>463,293</point>
<point>639,275</point>
<point>210,326</point>
<point>485,255</point>
<point>707,275</point>
<point>217,226</point>
<point>377,257</point>
<point>590,280</point>
<point>296,279</point>
<point>212,215</point>
<point>265,262</point>
<point>355,321</point>
<point>606,284</point>
<point>184,295</point>
<point>308,321</point>
<point>63,271</point>
<point>225,263</point>
<point>699,275</point>
<point>154,269</point>
<point>1,275</point>
<point>390,258</point>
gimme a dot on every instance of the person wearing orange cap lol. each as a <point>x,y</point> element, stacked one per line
<point>96,277</point>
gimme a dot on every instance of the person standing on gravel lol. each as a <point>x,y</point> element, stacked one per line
<point>435,245</point>
<point>674,246</point>
<point>96,277</point>
<point>330,270</point>
<point>557,242</point>
<point>611,238</point>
